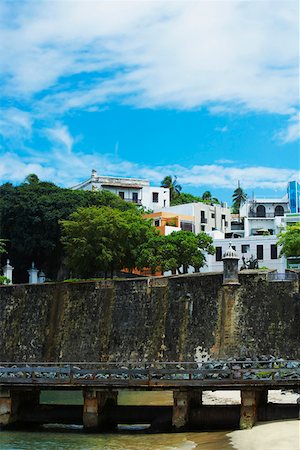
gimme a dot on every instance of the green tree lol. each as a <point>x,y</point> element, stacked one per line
<point>175,252</point>
<point>208,198</point>
<point>185,197</point>
<point>239,197</point>
<point>190,249</point>
<point>29,221</point>
<point>289,239</point>
<point>32,178</point>
<point>171,183</point>
<point>103,240</point>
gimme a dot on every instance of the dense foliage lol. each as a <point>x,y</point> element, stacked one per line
<point>104,240</point>
<point>175,252</point>
<point>290,241</point>
<point>29,220</point>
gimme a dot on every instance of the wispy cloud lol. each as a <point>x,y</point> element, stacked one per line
<point>224,55</point>
<point>68,169</point>
<point>292,132</point>
<point>61,136</point>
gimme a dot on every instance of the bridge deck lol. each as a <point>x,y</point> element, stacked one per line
<point>274,374</point>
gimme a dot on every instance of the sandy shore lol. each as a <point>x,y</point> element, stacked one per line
<point>284,435</point>
<point>268,436</point>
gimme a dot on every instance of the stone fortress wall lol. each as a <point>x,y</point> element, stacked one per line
<point>179,318</point>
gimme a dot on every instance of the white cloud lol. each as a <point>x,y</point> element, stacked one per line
<point>161,54</point>
<point>61,135</point>
<point>69,168</point>
<point>15,123</point>
<point>292,132</point>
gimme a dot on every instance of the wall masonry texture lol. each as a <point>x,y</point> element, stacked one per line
<point>180,318</point>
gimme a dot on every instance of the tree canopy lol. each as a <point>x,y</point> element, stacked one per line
<point>289,239</point>
<point>104,240</point>
<point>29,218</point>
<point>176,252</point>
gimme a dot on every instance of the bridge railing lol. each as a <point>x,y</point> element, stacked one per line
<point>216,372</point>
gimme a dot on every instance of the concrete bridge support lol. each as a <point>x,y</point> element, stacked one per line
<point>183,402</point>
<point>94,403</point>
<point>250,402</point>
<point>11,402</point>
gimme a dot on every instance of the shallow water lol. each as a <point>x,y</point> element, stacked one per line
<point>67,438</point>
<point>75,439</point>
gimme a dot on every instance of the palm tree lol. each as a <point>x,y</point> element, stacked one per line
<point>32,178</point>
<point>239,197</point>
<point>171,184</point>
<point>206,196</point>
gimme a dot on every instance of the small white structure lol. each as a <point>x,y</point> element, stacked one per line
<point>33,274</point>
<point>8,271</point>
<point>129,189</point>
<point>41,277</point>
<point>230,264</point>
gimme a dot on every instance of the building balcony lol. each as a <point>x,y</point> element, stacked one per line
<point>255,215</point>
<point>137,201</point>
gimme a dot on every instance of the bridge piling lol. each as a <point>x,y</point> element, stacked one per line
<point>183,402</point>
<point>250,402</point>
<point>94,403</point>
<point>11,402</point>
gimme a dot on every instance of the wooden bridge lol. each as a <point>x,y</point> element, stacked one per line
<point>20,384</point>
<point>274,374</point>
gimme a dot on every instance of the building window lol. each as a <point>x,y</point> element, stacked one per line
<point>245,248</point>
<point>165,203</point>
<point>223,217</point>
<point>260,211</point>
<point>274,251</point>
<point>202,227</point>
<point>155,197</point>
<point>279,211</point>
<point>203,219</point>
<point>156,223</point>
<point>135,197</point>
<point>218,253</point>
<point>260,252</point>
<point>186,226</point>
<point>122,194</point>
<point>213,216</point>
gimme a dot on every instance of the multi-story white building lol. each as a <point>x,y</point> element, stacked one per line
<point>264,215</point>
<point>195,217</point>
<point>130,189</point>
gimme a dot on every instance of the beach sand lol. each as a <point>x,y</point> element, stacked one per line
<point>283,435</point>
<point>277,435</point>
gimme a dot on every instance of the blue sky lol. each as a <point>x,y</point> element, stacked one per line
<point>207,91</point>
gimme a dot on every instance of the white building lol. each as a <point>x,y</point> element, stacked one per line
<point>264,215</point>
<point>195,217</point>
<point>262,248</point>
<point>130,189</point>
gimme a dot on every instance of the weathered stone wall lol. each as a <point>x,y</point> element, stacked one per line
<point>178,318</point>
